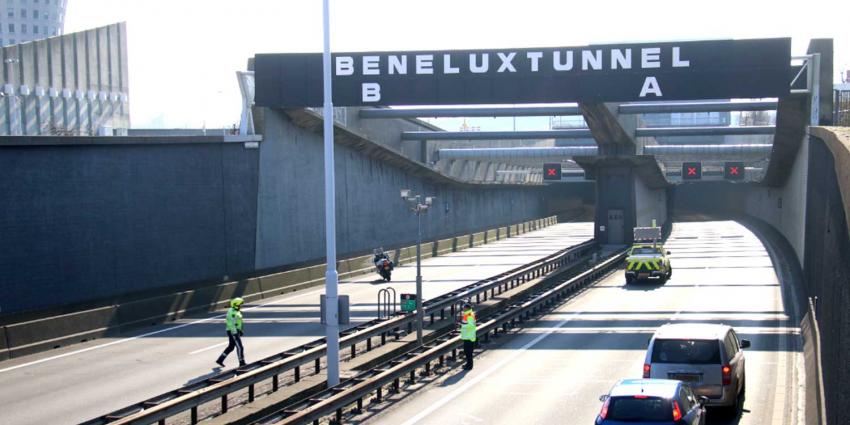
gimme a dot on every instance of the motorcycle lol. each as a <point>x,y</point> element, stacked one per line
<point>383,264</point>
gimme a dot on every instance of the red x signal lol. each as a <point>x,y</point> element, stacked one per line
<point>552,171</point>
<point>692,171</point>
<point>734,170</point>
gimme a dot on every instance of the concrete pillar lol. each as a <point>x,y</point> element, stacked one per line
<point>615,204</point>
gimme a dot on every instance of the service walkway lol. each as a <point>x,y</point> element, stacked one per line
<point>80,382</point>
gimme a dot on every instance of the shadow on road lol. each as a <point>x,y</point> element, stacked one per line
<point>213,372</point>
<point>454,379</point>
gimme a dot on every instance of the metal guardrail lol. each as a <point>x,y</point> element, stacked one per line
<point>189,397</point>
<point>334,400</point>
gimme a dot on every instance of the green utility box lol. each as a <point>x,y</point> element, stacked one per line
<point>408,303</point>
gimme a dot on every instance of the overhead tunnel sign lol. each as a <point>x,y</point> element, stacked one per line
<point>716,69</point>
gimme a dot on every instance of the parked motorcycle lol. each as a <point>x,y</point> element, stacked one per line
<point>383,264</point>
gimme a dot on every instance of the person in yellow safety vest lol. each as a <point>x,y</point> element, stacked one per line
<point>234,332</point>
<point>467,333</point>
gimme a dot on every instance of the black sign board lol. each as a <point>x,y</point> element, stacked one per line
<point>734,171</point>
<point>716,69</point>
<point>691,171</point>
<point>552,171</point>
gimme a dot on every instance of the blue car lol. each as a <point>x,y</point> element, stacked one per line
<point>651,402</point>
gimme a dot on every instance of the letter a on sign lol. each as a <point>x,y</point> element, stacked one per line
<point>552,171</point>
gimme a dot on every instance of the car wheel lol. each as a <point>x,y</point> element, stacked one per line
<point>630,280</point>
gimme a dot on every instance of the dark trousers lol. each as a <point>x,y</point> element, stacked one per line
<point>468,347</point>
<point>234,341</point>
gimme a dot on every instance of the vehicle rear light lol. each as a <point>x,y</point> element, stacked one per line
<point>641,396</point>
<point>604,412</point>
<point>727,375</point>
<point>646,369</point>
<point>677,413</point>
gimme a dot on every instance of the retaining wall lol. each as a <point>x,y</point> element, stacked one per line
<point>43,334</point>
<point>369,211</point>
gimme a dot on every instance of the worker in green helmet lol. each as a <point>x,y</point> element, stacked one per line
<point>234,332</point>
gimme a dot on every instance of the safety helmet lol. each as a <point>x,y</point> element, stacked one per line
<point>237,302</point>
<point>467,305</point>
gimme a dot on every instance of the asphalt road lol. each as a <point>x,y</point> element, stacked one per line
<point>553,371</point>
<point>81,382</point>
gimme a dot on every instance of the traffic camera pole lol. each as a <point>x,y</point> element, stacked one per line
<point>331,277</point>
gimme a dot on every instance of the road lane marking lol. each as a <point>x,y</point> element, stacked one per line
<point>463,388</point>
<point>208,348</point>
<point>121,341</point>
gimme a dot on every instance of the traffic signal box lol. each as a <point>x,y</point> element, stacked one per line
<point>552,171</point>
<point>734,171</point>
<point>691,171</point>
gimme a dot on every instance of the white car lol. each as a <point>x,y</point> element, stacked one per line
<point>709,357</point>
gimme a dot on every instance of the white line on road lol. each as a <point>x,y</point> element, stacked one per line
<point>207,348</point>
<point>121,341</point>
<point>463,388</point>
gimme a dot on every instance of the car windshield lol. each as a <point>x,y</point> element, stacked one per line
<point>645,250</point>
<point>643,409</point>
<point>686,351</point>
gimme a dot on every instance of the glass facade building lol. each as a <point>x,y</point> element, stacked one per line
<point>28,20</point>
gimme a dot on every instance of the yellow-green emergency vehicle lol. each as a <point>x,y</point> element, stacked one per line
<point>647,258</point>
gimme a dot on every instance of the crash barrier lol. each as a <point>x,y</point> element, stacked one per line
<point>334,400</point>
<point>815,400</point>
<point>308,357</point>
<point>52,332</point>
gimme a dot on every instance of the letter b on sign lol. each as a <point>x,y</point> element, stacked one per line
<point>552,172</point>
<point>371,92</point>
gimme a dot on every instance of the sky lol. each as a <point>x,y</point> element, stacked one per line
<point>184,54</point>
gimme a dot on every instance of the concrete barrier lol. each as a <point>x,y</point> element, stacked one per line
<point>43,334</point>
<point>4,346</point>
<point>479,238</point>
<point>52,332</point>
<point>815,399</point>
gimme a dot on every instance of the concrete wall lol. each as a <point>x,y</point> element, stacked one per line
<point>650,204</point>
<point>614,191</point>
<point>785,208</point>
<point>91,221</point>
<point>827,275</point>
<point>370,213</point>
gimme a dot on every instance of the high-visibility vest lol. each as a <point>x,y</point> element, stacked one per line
<point>467,326</point>
<point>234,320</point>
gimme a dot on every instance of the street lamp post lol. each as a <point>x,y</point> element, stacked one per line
<point>417,206</point>
<point>331,276</point>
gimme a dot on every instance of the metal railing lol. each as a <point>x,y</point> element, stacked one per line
<point>218,387</point>
<point>353,391</point>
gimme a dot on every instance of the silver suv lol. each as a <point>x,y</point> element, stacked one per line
<point>709,357</point>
